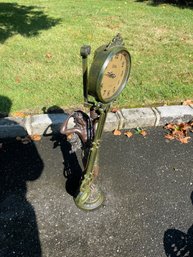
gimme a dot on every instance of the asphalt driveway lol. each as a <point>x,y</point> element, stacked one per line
<point>148,184</point>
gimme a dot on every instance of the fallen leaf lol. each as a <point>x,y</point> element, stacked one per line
<point>114,110</point>
<point>17,79</point>
<point>116,132</point>
<point>183,38</point>
<point>178,133</point>
<point>48,55</point>
<point>184,126</point>
<point>19,114</point>
<point>170,126</point>
<point>184,140</point>
<point>143,133</point>
<point>35,137</point>
<point>169,136</point>
<point>187,102</point>
<point>128,134</point>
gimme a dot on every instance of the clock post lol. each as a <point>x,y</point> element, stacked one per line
<point>106,79</point>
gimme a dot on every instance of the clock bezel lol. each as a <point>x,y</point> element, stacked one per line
<point>101,60</point>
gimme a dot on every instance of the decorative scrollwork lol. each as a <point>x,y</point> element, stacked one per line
<point>116,41</point>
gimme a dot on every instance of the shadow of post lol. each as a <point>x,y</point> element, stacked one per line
<point>178,243</point>
<point>19,163</point>
<point>72,169</point>
<point>27,21</point>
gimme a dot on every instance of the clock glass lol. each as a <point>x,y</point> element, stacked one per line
<point>115,75</point>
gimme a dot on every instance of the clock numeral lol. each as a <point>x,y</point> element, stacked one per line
<point>117,56</point>
<point>108,93</point>
<point>123,64</point>
<point>110,74</point>
<point>104,92</point>
<point>114,89</point>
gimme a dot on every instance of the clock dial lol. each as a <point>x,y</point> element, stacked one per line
<point>114,75</point>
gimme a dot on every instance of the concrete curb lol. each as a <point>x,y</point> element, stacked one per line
<point>123,119</point>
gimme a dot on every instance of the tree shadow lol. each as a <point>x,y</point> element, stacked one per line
<point>5,105</point>
<point>71,161</point>
<point>19,163</point>
<point>178,243</point>
<point>178,3</point>
<point>27,21</point>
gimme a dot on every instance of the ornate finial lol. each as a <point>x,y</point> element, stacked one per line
<point>116,41</point>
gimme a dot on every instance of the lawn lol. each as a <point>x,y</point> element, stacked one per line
<point>40,42</point>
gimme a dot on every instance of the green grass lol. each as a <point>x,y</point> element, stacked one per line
<point>40,42</point>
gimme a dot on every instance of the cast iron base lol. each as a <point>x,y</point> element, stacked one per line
<point>94,199</point>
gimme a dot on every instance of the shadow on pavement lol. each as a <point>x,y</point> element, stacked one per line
<point>178,243</point>
<point>72,169</point>
<point>25,20</point>
<point>19,163</point>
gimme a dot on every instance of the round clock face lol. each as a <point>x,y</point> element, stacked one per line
<point>109,73</point>
<point>115,76</point>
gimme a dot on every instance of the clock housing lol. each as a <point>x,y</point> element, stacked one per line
<point>109,73</point>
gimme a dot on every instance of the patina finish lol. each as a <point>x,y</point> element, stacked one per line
<point>107,78</point>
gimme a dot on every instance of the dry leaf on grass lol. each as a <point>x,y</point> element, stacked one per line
<point>128,134</point>
<point>19,114</point>
<point>17,79</point>
<point>48,55</point>
<point>116,132</point>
